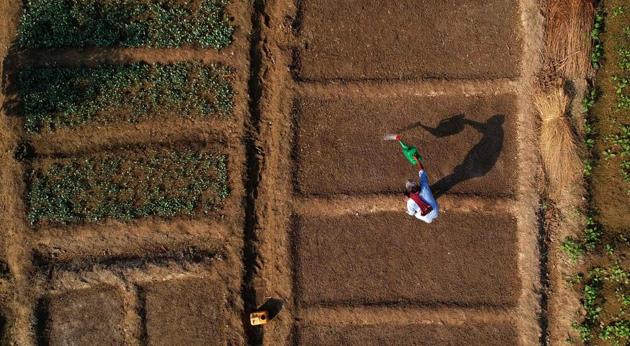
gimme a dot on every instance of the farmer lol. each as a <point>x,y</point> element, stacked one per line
<point>419,199</point>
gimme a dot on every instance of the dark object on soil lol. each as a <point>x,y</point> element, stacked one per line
<point>24,151</point>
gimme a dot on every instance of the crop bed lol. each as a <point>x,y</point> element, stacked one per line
<point>124,23</point>
<point>468,142</point>
<point>83,317</point>
<point>498,334</point>
<point>192,316</point>
<point>127,185</point>
<point>66,97</point>
<point>407,39</point>
<point>386,258</point>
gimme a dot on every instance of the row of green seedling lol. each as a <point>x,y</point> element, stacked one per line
<point>125,23</point>
<point>64,97</point>
<point>125,184</point>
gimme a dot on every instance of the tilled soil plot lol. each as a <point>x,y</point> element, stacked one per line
<point>381,39</point>
<point>83,317</point>
<point>388,258</point>
<point>181,300</point>
<point>468,142</point>
<point>498,334</point>
<point>184,312</point>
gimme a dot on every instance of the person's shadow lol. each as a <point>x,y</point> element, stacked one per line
<point>480,159</point>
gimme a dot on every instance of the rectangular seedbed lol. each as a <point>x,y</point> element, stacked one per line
<point>488,334</point>
<point>384,39</point>
<point>127,184</point>
<point>124,23</point>
<point>65,97</point>
<point>82,317</point>
<point>185,312</point>
<point>462,259</point>
<point>469,144</point>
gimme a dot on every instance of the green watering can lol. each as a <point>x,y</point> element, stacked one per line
<point>410,152</point>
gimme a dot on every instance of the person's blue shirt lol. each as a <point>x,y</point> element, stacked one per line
<point>425,193</point>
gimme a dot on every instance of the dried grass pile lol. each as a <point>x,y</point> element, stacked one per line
<point>558,147</point>
<point>568,36</point>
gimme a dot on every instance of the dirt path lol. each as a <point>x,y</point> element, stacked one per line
<point>335,243</point>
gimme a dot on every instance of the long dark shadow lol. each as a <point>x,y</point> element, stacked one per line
<point>480,159</point>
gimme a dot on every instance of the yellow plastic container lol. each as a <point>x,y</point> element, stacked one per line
<point>259,317</point>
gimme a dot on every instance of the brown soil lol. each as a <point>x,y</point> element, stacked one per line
<point>389,258</point>
<point>185,312</point>
<point>406,39</point>
<point>157,293</point>
<point>85,317</point>
<point>469,143</point>
<point>468,334</point>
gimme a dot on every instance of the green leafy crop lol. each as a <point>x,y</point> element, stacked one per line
<point>57,97</point>
<point>597,52</point>
<point>124,23</point>
<point>574,249</point>
<point>620,147</point>
<point>127,184</point>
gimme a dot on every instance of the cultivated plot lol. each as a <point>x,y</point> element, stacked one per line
<point>469,143</point>
<point>188,298</point>
<point>447,76</point>
<point>127,184</point>
<point>185,312</point>
<point>68,97</point>
<point>388,258</point>
<point>155,23</point>
<point>124,123</point>
<point>490,334</point>
<point>83,317</point>
<point>407,39</point>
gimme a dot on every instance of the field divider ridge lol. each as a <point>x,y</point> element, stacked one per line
<point>406,88</point>
<point>124,239</point>
<point>98,56</point>
<point>368,204</point>
<point>78,141</point>
<point>402,316</point>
